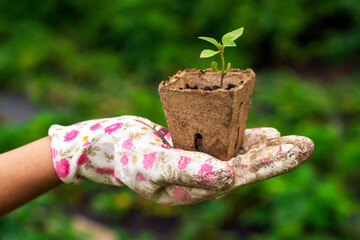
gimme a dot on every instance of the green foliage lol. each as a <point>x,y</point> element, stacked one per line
<point>208,53</point>
<point>211,40</point>
<point>214,66</point>
<point>227,41</point>
<point>229,38</point>
<point>37,222</point>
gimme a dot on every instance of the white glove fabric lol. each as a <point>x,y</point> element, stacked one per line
<point>136,152</point>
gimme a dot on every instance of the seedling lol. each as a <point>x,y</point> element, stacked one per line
<point>227,41</point>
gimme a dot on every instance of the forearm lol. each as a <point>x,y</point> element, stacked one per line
<point>25,173</point>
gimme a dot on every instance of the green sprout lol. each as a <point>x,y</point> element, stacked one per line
<point>227,41</point>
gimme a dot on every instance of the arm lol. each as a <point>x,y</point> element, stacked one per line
<point>25,173</point>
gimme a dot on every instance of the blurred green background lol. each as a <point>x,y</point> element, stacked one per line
<point>67,61</point>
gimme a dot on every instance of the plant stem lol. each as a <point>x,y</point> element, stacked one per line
<point>222,60</point>
<point>223,65</point>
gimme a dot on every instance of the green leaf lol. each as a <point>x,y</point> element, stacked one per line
<point>229,38</point>
<point>228,67</point>
<point>210,40</point>
<point>214,66</point>
<point>230,44</point>
<point>208,53</point>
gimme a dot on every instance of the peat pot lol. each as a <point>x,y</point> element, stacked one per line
<point>202,116</point>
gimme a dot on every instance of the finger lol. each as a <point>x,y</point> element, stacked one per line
<point>253,137</point>
<point>181,195</point>
<point>176,195</point>
<point>180,188</point>
<point>306,145</point>
<point>268,162</point>
<point>195,169</point>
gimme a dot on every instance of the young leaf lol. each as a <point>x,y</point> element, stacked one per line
<point>208,53</point>
<point>228,67</point>
<point>229,44</point>
<point>229,38</point>
<point>210,40</point>
<point>214,66</point>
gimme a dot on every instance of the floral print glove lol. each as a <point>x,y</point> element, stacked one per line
<point>138,153</point>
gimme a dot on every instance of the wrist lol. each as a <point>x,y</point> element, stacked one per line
<point>85,150</point>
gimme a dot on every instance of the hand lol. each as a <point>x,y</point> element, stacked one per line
<point>265,154</point>
<point>138,153</point>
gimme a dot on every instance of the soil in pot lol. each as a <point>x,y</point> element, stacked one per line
<point>203,115</point>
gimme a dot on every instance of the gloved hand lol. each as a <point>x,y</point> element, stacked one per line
<point>138,153</point>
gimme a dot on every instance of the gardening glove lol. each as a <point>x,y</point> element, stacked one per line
<point>265,154</point>
<point>138,153</point>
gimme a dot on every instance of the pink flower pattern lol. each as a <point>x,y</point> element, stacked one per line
<point>149,160</point>
<point>230,169</point>
<point>112,128</point>
<point>207,169</point>
<point>165,146</point>
<point>124,160</point>
<point>177,150</point>
<point>82,159</point>
<point>105,170</point>
<point>62,168</point>
<point>127,144</point>
<point>95,127</point>
<point>140,177</point>
<point>181,195</point>
<point>265,160</point>
<point>183,162</point>
<point>71,135</point>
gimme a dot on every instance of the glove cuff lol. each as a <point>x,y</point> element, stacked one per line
<point>65,157</point>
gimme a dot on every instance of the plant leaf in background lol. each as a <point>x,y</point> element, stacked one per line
<point>214,66</point>
<point>208,53</point>
<point>228,67</point>
<point>229,38</point>
<point>210,40</point>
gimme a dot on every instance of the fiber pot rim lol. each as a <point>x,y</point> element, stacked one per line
<point>172,84</point>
